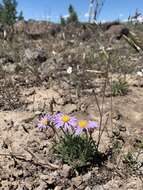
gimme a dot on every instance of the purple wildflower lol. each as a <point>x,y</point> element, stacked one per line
<point>84,125</point>
<point>44,122</point>
<point>64,120</point>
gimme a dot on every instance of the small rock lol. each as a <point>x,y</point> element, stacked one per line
<point>18,173</point>
<point>77,181</point>
<point>44,177</point>
<point>110,166</point>
<point>137,83</point>
<point>87,188</point>
<point>30,92</point>
<point>86,177</point>
<point>67,171</point>
<point>58,188</point>
<point>37,113</point>
<point>70,188</point>
<point>98,187</point>
<point>42,186</point>
<point>69,108</point>
<point>49,179</point>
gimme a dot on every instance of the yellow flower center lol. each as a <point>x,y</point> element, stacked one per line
<point>82,123</point>
<point>44,122</point>
<point>65,118</point>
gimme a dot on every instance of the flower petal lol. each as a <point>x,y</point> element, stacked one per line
<point>92,124</point>
<point>78,131</point>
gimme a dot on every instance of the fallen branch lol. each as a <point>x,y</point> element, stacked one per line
<point>32,161</point>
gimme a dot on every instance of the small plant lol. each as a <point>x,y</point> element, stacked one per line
<point>116,149</point>
<point>130,160</point>
<point>73,18</point>
<point>62,21</point>
<point>77,151</point>
<point>119,88</point>
<point>75,146</point>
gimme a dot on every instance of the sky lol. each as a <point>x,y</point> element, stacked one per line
<point>52,9</point>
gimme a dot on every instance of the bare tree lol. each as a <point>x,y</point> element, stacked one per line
<point>95,7</point>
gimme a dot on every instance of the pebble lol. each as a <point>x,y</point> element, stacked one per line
<point>67,171</point>
<point>77,181</point>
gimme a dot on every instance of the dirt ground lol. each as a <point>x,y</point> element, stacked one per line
<point>26,160</point>
<point>34,80</point>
